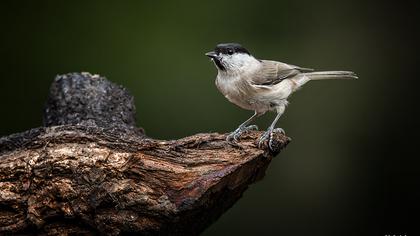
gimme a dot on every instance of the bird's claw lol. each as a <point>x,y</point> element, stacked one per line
<point>235,135</point>
<point>268,136</point>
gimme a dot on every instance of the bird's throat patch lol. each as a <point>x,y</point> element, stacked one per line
<point>219,64</point>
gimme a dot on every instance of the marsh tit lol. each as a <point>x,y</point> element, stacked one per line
<point>260,85</point>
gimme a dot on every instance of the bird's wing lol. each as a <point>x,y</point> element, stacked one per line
<point>273,72</point>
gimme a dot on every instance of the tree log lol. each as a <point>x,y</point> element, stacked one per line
<point>90,171</point>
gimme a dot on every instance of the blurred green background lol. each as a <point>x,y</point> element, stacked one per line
<point>349,168</point>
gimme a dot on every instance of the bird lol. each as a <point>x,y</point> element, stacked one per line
<point>261,85</point>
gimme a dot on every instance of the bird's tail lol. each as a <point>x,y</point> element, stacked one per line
<point>331,75</point>
<point>321,75</point>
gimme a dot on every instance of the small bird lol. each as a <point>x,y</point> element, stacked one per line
<point>260,85</point>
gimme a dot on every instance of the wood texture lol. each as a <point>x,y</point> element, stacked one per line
<point>91,171</point>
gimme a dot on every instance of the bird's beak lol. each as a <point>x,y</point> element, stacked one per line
<point>211,54</point>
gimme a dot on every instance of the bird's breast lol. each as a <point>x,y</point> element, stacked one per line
<point>236,90</point>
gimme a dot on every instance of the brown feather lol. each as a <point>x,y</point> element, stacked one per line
<point>273,72</point>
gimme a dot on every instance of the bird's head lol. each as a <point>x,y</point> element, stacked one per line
<point>231,57</point>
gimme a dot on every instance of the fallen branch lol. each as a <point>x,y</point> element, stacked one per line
<point>90,170</point>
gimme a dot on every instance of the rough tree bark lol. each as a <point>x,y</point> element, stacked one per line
<point>89,170</point>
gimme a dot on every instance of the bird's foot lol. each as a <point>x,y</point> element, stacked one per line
<point>235,135</point>
<point>268,136</point>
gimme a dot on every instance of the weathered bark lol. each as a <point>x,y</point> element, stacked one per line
<point>90,171</point>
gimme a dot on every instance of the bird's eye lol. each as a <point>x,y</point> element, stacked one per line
<point>230,51</point>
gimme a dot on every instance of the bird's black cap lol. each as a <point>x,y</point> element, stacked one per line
<point>230,48</point>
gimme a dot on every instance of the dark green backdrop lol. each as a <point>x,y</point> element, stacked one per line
<point>348,169</point>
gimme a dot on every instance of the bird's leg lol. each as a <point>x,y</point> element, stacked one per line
<point>268,135</point>
<point>234,136</point>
